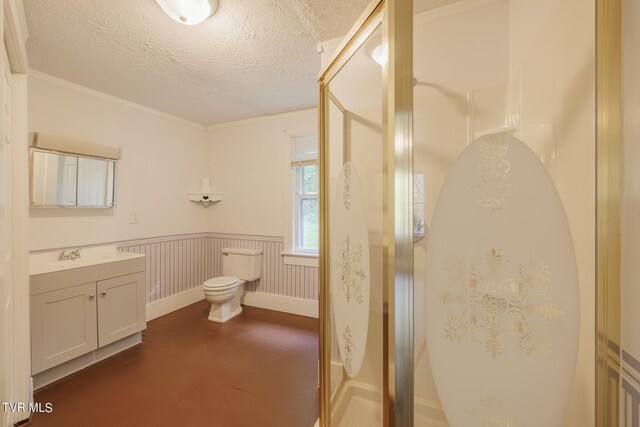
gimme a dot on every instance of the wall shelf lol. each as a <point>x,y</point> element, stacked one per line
<point>204,198</point>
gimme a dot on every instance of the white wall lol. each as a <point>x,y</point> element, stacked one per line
<point>163,158</point>
<point>20,199</point>
<point>6,243</point>
<point>249,163</point>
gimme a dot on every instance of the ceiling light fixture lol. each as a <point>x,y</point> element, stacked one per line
<point>379,54</point>
<point>188,12</point>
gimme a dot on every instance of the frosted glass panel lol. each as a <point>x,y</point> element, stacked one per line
<point>527,70</point>
<point>355,225</point>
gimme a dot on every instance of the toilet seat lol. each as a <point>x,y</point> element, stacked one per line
<point>221,282</point>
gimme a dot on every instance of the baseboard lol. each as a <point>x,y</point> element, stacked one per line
<point>299,306</point>
<point>174,302</point>
<point>302,307</point>
<point>74,365</point>
<point>24,422</point>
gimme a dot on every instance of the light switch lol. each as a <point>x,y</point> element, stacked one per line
<point>135,217</point>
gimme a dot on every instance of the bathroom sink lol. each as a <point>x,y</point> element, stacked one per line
<point>67,263</point>
<point>47,262</point>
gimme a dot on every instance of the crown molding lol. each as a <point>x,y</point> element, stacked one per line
<point>65,83</point>
<point>15,36</point>
<point>263,118</point>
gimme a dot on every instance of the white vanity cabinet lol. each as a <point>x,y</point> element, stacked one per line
<point>121,307</point>
<point>85,313</point>
<point>63,325</point>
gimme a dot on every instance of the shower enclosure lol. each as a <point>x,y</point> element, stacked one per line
<point>469,215</point>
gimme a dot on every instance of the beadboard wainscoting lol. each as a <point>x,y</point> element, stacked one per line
<point>630,391</point>
<point>175,264</point>
<point>282,287</point>
<point>178,265</point>
<point>277,278</point>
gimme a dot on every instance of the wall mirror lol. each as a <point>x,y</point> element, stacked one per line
<point>70,180</point>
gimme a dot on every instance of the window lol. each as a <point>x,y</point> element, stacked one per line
<point>304,164</point>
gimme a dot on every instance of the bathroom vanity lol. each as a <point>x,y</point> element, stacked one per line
<point>84,310</point>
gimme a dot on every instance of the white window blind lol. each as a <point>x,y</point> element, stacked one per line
<point>304,150</point>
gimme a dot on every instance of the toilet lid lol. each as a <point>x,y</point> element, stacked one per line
<point>220,282</point>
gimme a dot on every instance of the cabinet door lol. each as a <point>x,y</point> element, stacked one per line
<point>121,308</point>
<point>63,326</point>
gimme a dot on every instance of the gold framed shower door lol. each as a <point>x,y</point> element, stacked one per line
<point>608,172</point>
<point>396,17</point>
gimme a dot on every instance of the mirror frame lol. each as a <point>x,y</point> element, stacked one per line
<point>33,150</point>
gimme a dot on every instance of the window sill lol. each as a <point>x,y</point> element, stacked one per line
<point>301,259</point>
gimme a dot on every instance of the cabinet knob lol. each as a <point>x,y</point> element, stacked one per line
<point>103,293</point>
<point>92,296</point>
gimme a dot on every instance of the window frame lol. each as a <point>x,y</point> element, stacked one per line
<point>298,198</point>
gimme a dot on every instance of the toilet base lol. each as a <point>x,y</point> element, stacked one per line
<point>222,312</point>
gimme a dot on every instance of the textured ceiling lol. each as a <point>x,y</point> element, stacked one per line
<point>253,57</point>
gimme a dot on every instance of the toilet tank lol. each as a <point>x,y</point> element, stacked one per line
<point>243,263</point>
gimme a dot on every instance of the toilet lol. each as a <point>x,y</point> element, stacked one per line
<point>239,265</point>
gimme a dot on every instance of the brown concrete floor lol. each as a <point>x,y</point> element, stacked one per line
<point>258,369</point>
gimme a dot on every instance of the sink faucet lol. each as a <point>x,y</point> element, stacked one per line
<point>64,255</point>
